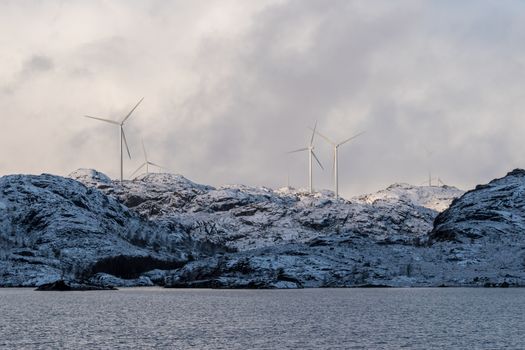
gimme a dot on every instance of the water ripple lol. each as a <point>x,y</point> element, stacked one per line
<point>238,319</point>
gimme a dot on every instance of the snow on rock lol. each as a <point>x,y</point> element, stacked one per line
<point>243,218</point>
<point>91,177</point>
<point>53,226</point>
<point>436,198</point>
<point>151,195</point>
<point>165,229</point>
<point>478,241</point>
<point>291,238</point>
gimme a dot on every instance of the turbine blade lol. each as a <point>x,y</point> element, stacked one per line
<point>162,168</point>
<point>158,166</point>
<point>102,119</point>
<point>313,134</point>
<point>125,142</point>
<point>299,150</point>
<point>129,114</point>
<point>317,159</point>
<point>351,138</point>
<point>324,137</point>
<point>136,171</point>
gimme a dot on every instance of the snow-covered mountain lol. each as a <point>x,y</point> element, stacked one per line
<point>166,229</point>
<point>243,218</point>
<point>284,230</point>
<point>478,241</point>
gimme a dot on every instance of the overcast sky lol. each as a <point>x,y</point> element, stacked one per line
<point>230,86</point>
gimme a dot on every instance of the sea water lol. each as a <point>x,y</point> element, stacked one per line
<point>156,318</point>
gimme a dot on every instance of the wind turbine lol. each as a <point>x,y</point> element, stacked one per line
<point>434,180</point>
<point>429,155</point>
<point>122,136</point>
<point>311,155</point>
<point>428,182</point>
<point>146,163</point>
<point>336,157</point>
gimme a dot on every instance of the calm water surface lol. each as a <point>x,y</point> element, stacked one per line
<point>289,319</point>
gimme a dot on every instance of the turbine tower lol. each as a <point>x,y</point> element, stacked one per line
<point>336,157</point>
<point>123,141</point>
<point>311,154</point>
<point>146,163</point>
<point>431,180</point>
<point>429,155</point>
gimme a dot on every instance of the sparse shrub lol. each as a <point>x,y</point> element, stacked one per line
<point>56,253</point>
<point>408,270</point>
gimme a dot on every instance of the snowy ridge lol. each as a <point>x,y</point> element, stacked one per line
<point>243,218</point>
<point>168,230</point>
<point>437,198</point>
<point>291,238</point>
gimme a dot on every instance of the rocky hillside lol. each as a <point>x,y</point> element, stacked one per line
<point>168,230</point>
<point>243,218</point>
<point>52,227</point>
<point>286,237</point>
<point>478,241</point>
<point>483,232</point>
<point>493,211</point>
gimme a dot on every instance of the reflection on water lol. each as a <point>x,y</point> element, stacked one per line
<point>238,319</point>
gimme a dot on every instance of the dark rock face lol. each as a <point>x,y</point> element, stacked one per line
<point>492,210</point>
<point>58,286</point>
<point>63,286</point>
<point>131,267</point>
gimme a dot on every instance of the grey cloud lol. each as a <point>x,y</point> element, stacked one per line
<point>36,64</point>
<point>31,67</point>
<point>230,86</point>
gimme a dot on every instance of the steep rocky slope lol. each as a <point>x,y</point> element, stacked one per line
<point>53,227</point>
<point>483,231</point>
<point>495,210</point>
